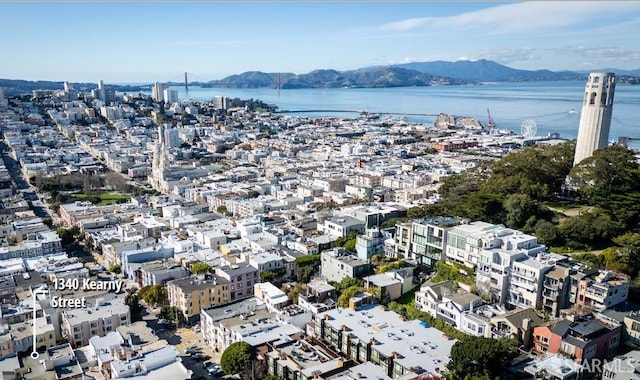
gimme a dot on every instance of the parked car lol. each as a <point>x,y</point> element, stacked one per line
<point>199,356</point>
<point>214,369</point>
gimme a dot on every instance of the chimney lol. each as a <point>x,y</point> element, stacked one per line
<point>340,363</point>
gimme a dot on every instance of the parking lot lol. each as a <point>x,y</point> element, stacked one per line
<point>183,338</point>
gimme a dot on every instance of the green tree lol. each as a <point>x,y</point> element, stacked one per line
<point>480,357</point>
<point>235,358</point>
<point>519,208</point>
<point>154,295</point>
<point>308,260</point>
<point>133,301</point>
<point>253,194</point>
<point>305,273</point>
<point>610,180</point>
<point>222,209</point>
<point>172,314</point>
<point>629,251</point>
<point>347,294</point>
<point>348,282</point>
<point>293,292</point>
<point>67,235</point>
<point>547,233</point>
<point>115,268</point>
<point>390,266</point>
<point>200,268</point>
<point>350,245</point>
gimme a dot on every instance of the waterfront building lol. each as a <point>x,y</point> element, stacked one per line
<point>595,118</point>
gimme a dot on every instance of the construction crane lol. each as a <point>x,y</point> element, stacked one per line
<point>491,123</point>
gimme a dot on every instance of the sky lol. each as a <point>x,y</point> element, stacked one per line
<point>159,41</point>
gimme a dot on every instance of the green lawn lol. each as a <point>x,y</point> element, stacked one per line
<point>409,297</point>
<point>105,198</point>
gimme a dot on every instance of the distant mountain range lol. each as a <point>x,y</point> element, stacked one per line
<point>411,74</point>
<point>373,77</point>
<point>401,75</point>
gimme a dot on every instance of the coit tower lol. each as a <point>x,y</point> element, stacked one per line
<point>595,118</point>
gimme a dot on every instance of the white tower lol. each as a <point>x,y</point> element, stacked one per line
<point>595,118</point>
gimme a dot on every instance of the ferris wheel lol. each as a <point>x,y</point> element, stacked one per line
<point>528,128</point>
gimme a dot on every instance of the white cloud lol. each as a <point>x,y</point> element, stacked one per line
<point>513,18</point>
<point>407,24</point>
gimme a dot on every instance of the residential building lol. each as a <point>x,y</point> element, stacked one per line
<point>602,291</point>
<point>628,314</point>
<point>160,272</point>
<point>623,367</point>
<point>477,321</point>
<point>62,362</point>
<point>98,319</point>
<point>170,96</point>
<point>192,294</point>
<point>464,242</point>
<point>274,298</point>
<point>338,263</point>
<point>242,277</point>
<point>371,243</point>
<point>453,306</point>
<point>372,333</point>
<point>428,239</point>
<point>301,359</point>
<point>430,296</point>
<point>581,338</point>
<point>526,280</point>
<point>246,320</point>
<point>320,296</point>
<point>555,292</point>
<point>496,263</point>
<point>22,335</point>
<point>595,117</point>
<point>403,239</point>
<point>517,324</point>
<point>554,367</point>
<point>341,226</point>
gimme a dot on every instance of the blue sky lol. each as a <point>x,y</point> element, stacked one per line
<point>145,41</point>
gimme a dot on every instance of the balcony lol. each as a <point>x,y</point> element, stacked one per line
<point>525,285</point>
<point>522,274</point>
<point>502,332</point>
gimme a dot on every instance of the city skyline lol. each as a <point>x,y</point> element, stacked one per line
<point>145,42</point>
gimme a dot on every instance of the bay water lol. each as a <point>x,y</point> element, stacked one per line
<point>553,106</point>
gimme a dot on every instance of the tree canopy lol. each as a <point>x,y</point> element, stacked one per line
<point>520,191</point>
<point>479,357</point>
<point>234,359</point>
<point>154,294</point>
<point>200,268</point>
<point>610,180</point>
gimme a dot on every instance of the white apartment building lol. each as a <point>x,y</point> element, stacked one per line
<point>527,278</point>
<point>274,298</point>
<point>79,325</point>
<point>464,242</point>
<point>494,267</point>
<point>340,227</point>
